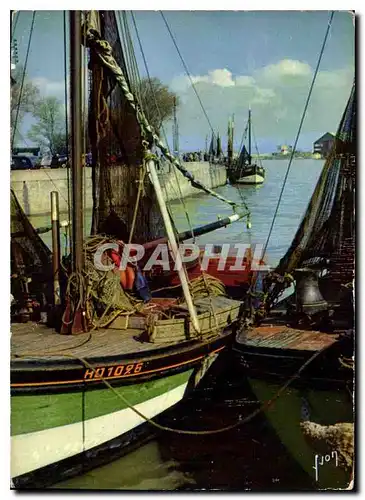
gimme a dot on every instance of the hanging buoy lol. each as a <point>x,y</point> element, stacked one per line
<point>123,279</point>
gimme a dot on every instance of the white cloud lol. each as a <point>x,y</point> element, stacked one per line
<point>221,77</point>
<point>276,93</point>
<point>286,68</point>
<point>245,81</point>
<point>50,87</point>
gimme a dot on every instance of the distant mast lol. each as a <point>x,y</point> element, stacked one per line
<point>249,136</point>
<point>230,140</point>
<point>13,49</point>
<point>232,131</point>
<point>219,146</point>
<point>175,132</point>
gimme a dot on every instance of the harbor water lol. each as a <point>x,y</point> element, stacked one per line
<point>261,200</point>
<point>250,456</point>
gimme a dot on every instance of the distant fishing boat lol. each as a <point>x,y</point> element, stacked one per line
<point>242,170</point>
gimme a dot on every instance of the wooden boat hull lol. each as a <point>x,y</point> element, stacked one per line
<point>236,281</point>
<point>277,352</point>
<point>326,407</point>
<point>252,174</point>
<point>251,179</point>
<point>64,419</point>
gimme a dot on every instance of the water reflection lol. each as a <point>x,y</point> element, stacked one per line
<point>249,457</point>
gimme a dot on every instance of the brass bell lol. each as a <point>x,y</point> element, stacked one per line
<point>309,299</point>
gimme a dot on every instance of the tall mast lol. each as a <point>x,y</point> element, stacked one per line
<point>230,140</point>
<point>232,130</point>
<point>249,134</point>
<point>76,131</point>
<point>175,132</point>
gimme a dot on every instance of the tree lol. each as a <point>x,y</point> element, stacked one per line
<point>28,96</point>
<point>49,130</point>
<point>154,91</point>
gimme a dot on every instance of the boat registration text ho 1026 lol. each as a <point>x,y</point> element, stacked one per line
<point>112,371</point>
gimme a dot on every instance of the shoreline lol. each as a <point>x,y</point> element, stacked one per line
<point>33,187</point>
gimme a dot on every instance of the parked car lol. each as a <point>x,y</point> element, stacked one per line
<point>36,161</point>
<point>63,161</point>
<point>22,163</point>
<point>59,161</point>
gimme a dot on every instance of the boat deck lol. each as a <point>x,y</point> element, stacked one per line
<point>127,336</point>
<point>280,336</point>
<point>31,340</point>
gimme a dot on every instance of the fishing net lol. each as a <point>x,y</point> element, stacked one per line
<point>326,235</point>
<point>105,297</point>
<point>30,257</point>
<point>116,149</point>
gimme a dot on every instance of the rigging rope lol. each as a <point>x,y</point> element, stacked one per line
<point>181,198</point>
<point>161,427</point>
<point>23,78</point>
<point>298,134</point>
<point>14,27</point>
<point>244,135</point>
<point>256,147</point>
<point>104,53</point>
<point>187,73</point>
<point>66,116</point>
<point>127,35</point>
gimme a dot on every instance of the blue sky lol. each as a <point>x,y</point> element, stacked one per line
<point>260,59</point>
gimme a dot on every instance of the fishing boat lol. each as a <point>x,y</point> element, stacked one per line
<point>319,316</point>
<point>242,170</point>
<point>96,354</point>
<point>307,339</point>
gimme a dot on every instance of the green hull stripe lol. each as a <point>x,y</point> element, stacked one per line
<point>30,413</point>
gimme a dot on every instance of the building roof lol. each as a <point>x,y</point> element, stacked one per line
<point>328,136</point>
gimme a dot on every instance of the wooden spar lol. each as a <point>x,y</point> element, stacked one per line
<point>198,231</point>
<point>173,244</point>
<point>176,132</point>
<point>74,320</point>
<point>55,247</point>
<point>249,134</point>
<point>76,133</point>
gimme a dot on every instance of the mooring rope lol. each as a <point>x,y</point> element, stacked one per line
<point>161,427</point>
